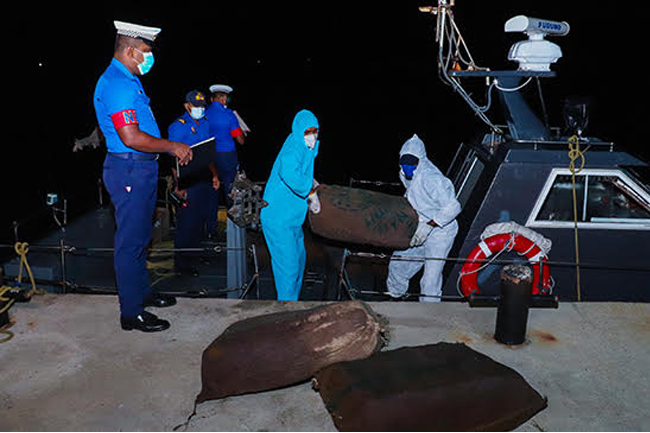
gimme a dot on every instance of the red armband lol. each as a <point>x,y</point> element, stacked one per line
<point>236,132</point>
<point>123,118</point>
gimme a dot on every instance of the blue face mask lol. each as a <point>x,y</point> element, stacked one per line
<point>408,170</point>
<point>147,64</point>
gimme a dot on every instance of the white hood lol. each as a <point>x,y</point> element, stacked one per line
<point>430,193</point>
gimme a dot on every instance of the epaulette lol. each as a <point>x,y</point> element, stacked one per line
<point>180,119</point>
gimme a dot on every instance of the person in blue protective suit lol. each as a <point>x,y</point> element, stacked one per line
<point>195,192</point>
<point>433,197</point>
<point>287,193</point>
<point>224,127</point>
<point>131,170</point>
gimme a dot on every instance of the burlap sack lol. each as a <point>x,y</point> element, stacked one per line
<point>439,387</point>
<point>281,349</point>
<point>364,217</point>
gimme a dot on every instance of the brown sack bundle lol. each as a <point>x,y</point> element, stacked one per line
<point>281,349</point>
<point>364,217</point>
<point>438,387</point>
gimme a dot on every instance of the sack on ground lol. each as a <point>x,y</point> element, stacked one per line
<point>438,387</point>
<point>281,349</point>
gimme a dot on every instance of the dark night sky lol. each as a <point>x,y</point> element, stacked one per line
<point>367,70</point>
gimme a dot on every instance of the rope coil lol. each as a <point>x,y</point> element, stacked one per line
<point>21,249</point>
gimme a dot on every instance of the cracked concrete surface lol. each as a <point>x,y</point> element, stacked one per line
<point>70,367</point>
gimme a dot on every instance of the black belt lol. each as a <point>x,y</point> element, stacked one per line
<point>135,156</point>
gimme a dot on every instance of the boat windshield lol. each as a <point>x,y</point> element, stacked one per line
<point>641,174</point>
<point>602,197</point>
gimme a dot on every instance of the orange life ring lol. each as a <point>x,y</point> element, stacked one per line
<point>512,241</point>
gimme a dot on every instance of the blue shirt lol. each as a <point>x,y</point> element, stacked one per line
<point>189,131</point>
<point>119,101</point>
<point>224,126</point>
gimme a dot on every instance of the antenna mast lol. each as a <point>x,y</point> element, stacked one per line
<point>454,55</point>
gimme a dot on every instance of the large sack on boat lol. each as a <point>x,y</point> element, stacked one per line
<point>364,217</point>
<point>438,387</point>
<point>281,349</point>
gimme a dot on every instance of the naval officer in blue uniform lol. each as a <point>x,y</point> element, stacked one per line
<point>131,170</point>
<point>224,127</point>
<point>192,128</point>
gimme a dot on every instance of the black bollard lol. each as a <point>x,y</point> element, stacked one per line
<point>512,310</point>
<point>513,304</point>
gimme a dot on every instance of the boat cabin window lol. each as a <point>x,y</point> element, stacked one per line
<point>604,199</point>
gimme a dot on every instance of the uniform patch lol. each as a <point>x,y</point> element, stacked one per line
<point>124,118</point>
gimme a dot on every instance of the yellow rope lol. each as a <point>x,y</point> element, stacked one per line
<point>21,248</point>
<point>163,265</point>
<point>9,335</point>
<point>576,154</point>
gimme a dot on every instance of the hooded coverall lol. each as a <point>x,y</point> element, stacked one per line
<point>433,197</point>
<point>286,193</point>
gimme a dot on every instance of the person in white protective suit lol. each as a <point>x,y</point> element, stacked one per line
<point>433,197</point>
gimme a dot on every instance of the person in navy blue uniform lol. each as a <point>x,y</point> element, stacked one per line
<point>224,127</point>
<point>131,170</point>
<point>191,128</point>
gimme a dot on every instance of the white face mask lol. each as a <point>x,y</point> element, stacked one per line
<point>197,112</point>
<point>310,140</point>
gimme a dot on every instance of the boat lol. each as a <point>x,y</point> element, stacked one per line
<point>589,197</point>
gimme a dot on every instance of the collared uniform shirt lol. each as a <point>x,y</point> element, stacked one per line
<point>119,101</point>
<point>187,130</point>
<point>224,126</point>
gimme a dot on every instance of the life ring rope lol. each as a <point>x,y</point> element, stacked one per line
<point>492,257</point>
<point>467,284</point>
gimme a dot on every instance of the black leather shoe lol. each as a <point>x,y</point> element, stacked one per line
<point>158,300</point>
<point>145,322</point>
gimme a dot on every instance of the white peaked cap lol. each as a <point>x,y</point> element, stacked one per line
<point>136,31</point>
<point>220,88</point>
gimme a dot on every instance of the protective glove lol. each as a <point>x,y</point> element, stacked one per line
<point>313,200</point>
<point>314,203</point>
<point>421,234</point>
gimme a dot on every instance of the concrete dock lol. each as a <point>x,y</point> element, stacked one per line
<point>70,367</point>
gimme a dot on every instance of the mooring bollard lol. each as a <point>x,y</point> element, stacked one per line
<point>513,304</point>
<point>512,311</point>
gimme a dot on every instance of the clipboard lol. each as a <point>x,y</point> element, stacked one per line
<point>203,154</point>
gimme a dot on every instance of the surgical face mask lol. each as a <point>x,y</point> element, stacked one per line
<point>408,170</point>
<point>147,63</point>
<point>310,140</point>
<point>197,112</point>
